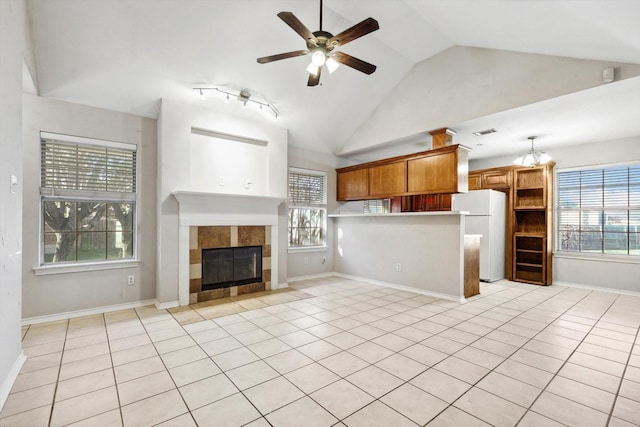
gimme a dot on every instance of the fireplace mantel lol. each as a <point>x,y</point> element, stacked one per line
<point>217,209</point>
<point>199,208</point>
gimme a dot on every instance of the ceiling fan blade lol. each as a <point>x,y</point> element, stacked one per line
<point>355,63</point>
<point>297,26</point>
<point>365,27</point>
<point>280,56</point>
<point>314,80</point>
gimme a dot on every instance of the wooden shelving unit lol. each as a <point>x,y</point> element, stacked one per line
<point>531,224</point>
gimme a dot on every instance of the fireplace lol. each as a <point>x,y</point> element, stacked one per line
<point>234,266</point>
<point>227,261</point>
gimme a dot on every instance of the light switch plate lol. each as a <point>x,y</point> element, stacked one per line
<point>14,184</point>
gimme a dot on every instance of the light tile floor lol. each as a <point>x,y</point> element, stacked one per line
<point>337,352</point>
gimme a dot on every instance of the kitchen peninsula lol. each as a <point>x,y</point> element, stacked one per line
<point>422,251</point>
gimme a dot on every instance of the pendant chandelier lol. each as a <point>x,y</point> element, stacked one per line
<point>533,157</point>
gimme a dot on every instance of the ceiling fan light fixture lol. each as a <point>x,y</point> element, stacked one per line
<point>313,69</point>
<point>332,64</point>
<point>318,58</point>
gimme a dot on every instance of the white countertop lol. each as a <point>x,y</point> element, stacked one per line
<point>398,214</point>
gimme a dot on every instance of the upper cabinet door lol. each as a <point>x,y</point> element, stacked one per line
<point>388,180</point>
<point>475,181</point>
<point>496,179</point>
<point>433,174</point>
<point>353,185</point>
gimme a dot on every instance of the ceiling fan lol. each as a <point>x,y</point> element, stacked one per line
<point>321,45</point>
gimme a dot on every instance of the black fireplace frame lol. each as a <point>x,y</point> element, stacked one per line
<point>234,281</point>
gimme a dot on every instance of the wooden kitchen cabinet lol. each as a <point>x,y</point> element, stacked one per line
<point>532,225</point>
<point>353,184</point>
<point>496,178</point>
<point>439,171</point>
<point>529,226</point>
<point>388,180</point>
<point>475,180</point>
<point>490,179</point>
<point>433,174</point>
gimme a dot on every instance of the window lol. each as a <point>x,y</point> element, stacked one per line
<point>599,210</point>
<point>307,208</point>
<point>377,206</point>
<point>88,199</point>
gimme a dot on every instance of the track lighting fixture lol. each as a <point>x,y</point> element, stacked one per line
<point>243,96</point>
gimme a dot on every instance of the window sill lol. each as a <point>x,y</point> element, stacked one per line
<point>625,259</point>
<point>307,249</point>
<point>49,269</point>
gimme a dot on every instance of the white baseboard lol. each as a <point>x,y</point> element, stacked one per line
<point>598,288</point>
<point>5,387</point>
<point>85,312</point>
<point>381,283</point>
<point>402,287</point>
<point>166,305</point>
<point>311,276</point>
<point>279,285</point>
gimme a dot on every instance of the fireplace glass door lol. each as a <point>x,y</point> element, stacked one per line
<point>225,267</point>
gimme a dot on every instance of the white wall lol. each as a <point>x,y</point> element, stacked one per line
<point>61,293</point>
<point>12,20</point>
<point>482,82</point>
<point>589,271</point>
<point>428,246</point>
<point>175,124</point>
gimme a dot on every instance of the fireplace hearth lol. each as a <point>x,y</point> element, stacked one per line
<point>231,266</point>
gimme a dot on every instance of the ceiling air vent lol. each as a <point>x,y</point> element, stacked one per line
<point>485,132</point>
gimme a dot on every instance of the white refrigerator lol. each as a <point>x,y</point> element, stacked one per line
<point>487,216</point>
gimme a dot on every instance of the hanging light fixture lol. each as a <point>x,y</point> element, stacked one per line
<point>533,157</point>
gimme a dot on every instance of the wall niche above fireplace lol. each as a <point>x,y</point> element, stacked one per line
<point>214,274</point>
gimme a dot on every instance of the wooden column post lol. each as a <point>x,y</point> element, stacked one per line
<point>441,137</point>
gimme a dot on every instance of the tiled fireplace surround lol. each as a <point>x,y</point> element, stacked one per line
<point>212,220</point>
<point>210,237</point>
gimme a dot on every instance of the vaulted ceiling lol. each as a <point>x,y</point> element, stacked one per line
<point>128,55</point>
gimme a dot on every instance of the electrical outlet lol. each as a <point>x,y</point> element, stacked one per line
<point>248,183</point>
<point>398,267</point>
<point>131,280</point>
<point>221,181</point>
<point>306,260</point>
<point>324,259</point>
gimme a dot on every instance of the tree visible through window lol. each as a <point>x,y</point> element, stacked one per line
<point>307,208</point>
<point>88,199</point>
<point>599,210</point>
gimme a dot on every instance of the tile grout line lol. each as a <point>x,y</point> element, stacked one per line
<point>506,358</point>
<point>385,332</point>
<point>55,389</point>
<point>494,329</point>
<point>567,361</point>
<point>397,352</point>
<point>624,371</point>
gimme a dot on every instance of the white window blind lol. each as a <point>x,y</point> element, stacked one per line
<point>377,206</point>
<point>599,210</point>
<point>87,167</point>
<point>307,188</point>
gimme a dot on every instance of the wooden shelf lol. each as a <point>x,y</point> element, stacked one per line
<point>531,222</point>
